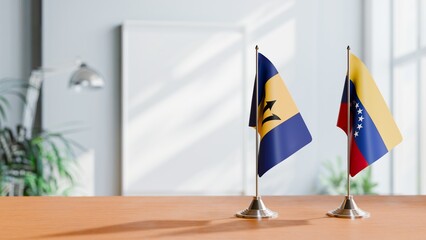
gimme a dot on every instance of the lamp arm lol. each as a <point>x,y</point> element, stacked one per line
<point>45,71</point>
<point>33,93</point>
<point>83,76</point>
<point>31,99</point>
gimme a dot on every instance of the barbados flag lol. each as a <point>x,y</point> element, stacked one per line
<point>373,131</point>
<point>281,127</point>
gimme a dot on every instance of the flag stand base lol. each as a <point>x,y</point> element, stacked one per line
<point>348,209</point>
<point>257,209</point>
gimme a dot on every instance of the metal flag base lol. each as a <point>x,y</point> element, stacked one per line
<point>257,209</point>
<point>348,209</point>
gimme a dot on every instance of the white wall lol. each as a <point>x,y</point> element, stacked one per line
<point>377,57</point>
<point>306,39</point>
<point>15,47</point>
<point>399,77</point>
<point>340,23</point>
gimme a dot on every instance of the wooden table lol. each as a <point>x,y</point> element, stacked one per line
<point>392,217</point>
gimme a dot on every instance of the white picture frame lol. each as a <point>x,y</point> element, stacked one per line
<point>172,74</point>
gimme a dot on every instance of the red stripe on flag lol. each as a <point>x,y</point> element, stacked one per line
<point>342,120</point>
<point>358,161</point>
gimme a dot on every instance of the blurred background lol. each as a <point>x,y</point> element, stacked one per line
<point>171,115</point>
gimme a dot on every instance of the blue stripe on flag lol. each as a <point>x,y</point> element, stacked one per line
<point>369,140</point>
<point>282,141</point>
<point>265,72</point>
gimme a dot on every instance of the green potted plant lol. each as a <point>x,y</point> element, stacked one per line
<point>334,177</point>
<point>32,166</point>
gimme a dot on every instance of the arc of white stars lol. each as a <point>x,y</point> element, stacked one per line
<point>360,118</point>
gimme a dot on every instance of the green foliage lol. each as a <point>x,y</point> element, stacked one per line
<point>40,165</point>
<point>36,166</point>
<point>10,88</point>
<point>334,179</point>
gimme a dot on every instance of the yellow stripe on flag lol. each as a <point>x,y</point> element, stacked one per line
<point>373,102</point>
<point>283,105</point>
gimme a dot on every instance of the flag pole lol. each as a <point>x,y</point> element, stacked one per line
<point>257,122</point>
<point>348,208</point>
<point>257,208</point>
<point>348,82</point>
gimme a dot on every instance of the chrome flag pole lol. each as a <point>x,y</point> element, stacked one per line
<point>257,208</point>
<point>348,208</point>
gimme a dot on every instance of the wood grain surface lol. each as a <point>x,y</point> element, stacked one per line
<point>300,217</point>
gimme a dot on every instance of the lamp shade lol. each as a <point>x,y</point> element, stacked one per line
<point>86,77</point>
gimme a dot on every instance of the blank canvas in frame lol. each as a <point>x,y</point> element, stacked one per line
<point>182,109</point>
